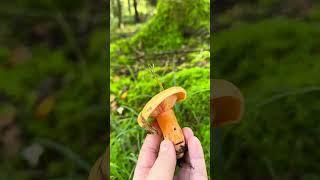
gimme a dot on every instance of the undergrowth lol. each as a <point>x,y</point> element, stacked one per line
<point>127,136</point>
<point>276,65</point>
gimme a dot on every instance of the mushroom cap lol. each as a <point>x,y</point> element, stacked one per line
<point>166,99</point>
<point>227,102</point>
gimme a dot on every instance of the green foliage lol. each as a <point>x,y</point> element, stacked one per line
<point>127,135</point>
<point>4,54</point>
<point>241,52</point>
<point>167,29</point>
<point>275,63</point>
<point>50,33</point>
<point>48,5</point>
<point>175,25</point>
<point>314,13</point>
<point>67,122</point>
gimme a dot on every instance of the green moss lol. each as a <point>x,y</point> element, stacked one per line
<point>271,58</point>
<point>246,53</point>
<point>175,25</point>
<point>167,28</point>
<point>314,13</point>
<point>127,136</point>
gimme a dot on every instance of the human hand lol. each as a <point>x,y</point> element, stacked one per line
<point>158,161</point>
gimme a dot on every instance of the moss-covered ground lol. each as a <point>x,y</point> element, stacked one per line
<point>165,41</point>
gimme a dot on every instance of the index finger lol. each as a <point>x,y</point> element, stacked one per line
<point>147,156</point>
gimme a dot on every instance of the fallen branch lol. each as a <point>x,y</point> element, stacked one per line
<point>143,55</point>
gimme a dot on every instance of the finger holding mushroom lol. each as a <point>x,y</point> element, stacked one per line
<point>160,108</point>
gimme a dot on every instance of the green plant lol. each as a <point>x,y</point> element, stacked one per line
<point>127,136</point>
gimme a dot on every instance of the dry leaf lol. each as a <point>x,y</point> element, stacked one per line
<point>116,78</point>
<point>99,170</point>
<point>7,117</point>
<point>124,95</point>
<point>114,106</point>
<point>11,140</point>
<point>45,107</point>
<point>112,97</point>
<point>10,133</point>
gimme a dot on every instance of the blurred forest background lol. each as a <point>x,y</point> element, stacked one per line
<point>52,88</point>
<point>174,37</point>
<point>271,50</point>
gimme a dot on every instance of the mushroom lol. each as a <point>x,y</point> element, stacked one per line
<point>160,107</point>
<point>227,103</point>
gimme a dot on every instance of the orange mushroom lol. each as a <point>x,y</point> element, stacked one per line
<point>160,107</point>
<point>227,103</point>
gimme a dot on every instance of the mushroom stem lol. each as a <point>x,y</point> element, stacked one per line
<point>171,131</point>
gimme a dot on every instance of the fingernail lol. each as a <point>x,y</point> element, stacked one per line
<point>165,145</point>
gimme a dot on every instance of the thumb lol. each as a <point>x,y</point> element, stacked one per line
<point>165,164</point>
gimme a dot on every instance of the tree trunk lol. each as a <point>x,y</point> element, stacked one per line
<point>119,13</point>
<point>129,7</point>
<point>136,13</point>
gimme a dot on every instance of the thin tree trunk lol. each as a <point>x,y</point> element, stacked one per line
<point>136,13</point>
<point>129,7</point>
<point>119,13</point>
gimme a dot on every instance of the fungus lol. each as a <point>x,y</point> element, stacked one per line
<point>160,108</point>
<point>227,103</point>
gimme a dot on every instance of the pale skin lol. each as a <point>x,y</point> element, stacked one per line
<point>157,159</point>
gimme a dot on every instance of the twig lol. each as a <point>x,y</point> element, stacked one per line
<point>155,76</point>
<point>154,55</point>
<point>173,52</point>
